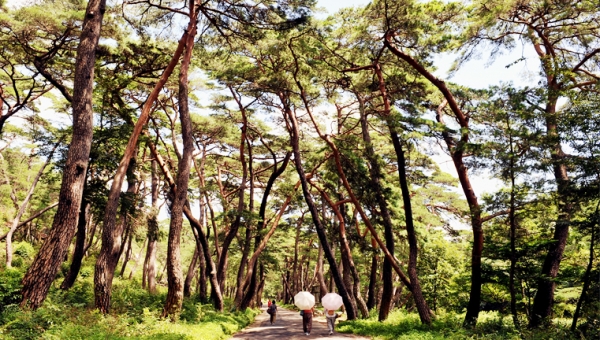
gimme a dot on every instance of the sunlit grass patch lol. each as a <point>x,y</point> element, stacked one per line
<point>402,325</point>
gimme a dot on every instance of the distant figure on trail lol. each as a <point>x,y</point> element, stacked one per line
<point>331,315</point>
<point>307,316</point>
<point>268,303</point>
<point>272,310</point>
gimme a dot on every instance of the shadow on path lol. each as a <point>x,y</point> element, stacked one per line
<point>288,326</point>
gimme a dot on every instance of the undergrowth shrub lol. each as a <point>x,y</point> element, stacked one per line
<point>402,325</point>
<point>10,288</point>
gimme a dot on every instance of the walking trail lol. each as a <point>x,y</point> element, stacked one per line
<point>288,326</point>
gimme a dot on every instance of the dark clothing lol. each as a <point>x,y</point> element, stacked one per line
<point>272,310</point>
<point>307,321</point>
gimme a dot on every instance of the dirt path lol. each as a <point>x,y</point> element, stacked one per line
<point>288,326</point>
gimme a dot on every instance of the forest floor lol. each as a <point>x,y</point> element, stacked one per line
<point>288,326</point>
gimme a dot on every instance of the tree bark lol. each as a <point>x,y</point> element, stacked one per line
<point>233,229</point>
<point>191,273</point>
<point>320,277</point>
<point>126,247</point>
<point>210,265</point>
<point>250,287</point>
<point>152,235</point>
<point>456,150</point>
<point>102,288</point>
<point>376,176</point>
<point>110,250</point>
<point>372,299</point>
<point>295,141</point>
<point>44,268</point>
<point>422,307</point>
<point>174,273</point>
<point>202,287</point>
<point>263,243</point>
<point>544,298</point>
<point>247,173</point>
<point>84,215</point>
<point>587,277</point>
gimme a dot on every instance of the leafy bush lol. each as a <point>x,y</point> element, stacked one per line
<point>402,325</point>
<point>10,287</point>
<point>24,250</point>
<point>191,312</point>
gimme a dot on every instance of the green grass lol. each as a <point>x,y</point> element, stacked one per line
<point>402,325</point>
<point>134,314</point>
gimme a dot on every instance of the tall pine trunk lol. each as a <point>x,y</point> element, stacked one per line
<point>211,268</point>
<point>152,235</point>
<point>371,298</point>
<point>110,230</point>
<point>191,273</point>
<point>84,215</point>
<point>335,273</point>
<point>251,288</point>
<point>456,148</point>
<point>174,273</point>
<point>422,307</point>
<point>544,298</point>
<point>110,251</point>
<point>46,264</point>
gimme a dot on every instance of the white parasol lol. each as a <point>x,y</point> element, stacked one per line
<point>332,301</point>
<point>304,300</point>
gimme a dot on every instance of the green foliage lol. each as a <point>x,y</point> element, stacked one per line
<point>134,314</point>
<point>10,288</point>
<point>23,254</point>
<point>24,250</point>
<point>402,325</point>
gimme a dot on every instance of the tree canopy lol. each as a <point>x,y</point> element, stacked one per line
<point>230,152</point>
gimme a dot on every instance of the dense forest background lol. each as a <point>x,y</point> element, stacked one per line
<point>169,160</point>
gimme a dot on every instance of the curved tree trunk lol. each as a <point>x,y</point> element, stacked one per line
<point>251,287</point>
<point>152,235</point>
<point>423,309</point>
<point>191,273</point>
<point>372,300</point>
<point>195,224</point>
<point>44,268</point>
<point>587,277</point>
<point>456,149</point>
<point>201,288</point>
<point>174,273</point>
<point>233,229</point>
<point>126,247</point>
<point>376,176</point>
<point>84,215</point>
<point>248,173</point>
<point>101,275</point>
<point>295,141</point>
<point>544,297</point>
<point>110,251</point>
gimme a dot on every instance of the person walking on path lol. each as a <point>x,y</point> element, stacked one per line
<point>287,327</point>
<point>331,315</point>
<point>307,316</point>
<point>272,310</point>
